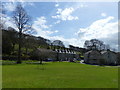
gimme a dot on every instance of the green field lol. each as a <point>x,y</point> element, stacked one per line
<point>59,75</point>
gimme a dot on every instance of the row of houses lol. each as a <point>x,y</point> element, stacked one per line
<point>91,57</point>
<point>102,58</point>
<point>56,55</point>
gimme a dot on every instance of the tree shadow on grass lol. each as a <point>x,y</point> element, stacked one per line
<point>37,63</point>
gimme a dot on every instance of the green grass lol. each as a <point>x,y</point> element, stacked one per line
<point>59,75</point>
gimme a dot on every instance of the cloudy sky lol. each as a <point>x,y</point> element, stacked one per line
<point>72,22</point>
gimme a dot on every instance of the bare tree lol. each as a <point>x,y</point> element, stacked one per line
<point>43,54</point>
<point>22,21</point>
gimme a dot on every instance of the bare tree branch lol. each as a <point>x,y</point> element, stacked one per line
<point>22,21</point>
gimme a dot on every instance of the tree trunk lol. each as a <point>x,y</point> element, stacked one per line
<point>26,50</point>
<point>58,56</point>
<point>13,47</point>
<point>40,61</point>
<point>19,50</point>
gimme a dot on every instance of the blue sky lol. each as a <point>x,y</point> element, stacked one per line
<point>73,22</point>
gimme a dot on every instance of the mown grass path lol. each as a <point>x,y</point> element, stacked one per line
<point>59,75</point>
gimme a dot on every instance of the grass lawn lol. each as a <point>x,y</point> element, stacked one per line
<point>59,75</point>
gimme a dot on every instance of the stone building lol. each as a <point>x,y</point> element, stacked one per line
<point>102,58</point>
<point>109,57</point>
<point>92,57</point>
<point>118,58</point>
<point>66,55</point>
<point>57,55</point>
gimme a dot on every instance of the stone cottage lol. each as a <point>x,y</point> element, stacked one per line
<point>56,55</point>
<point>92,57</point>
<point>118,58</point>
<point>109,57</point>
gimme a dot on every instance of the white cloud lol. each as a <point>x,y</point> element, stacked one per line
<point>79,6</point>
<point>10,6</point>
<point>41,22</point>
<point>103,14</point>
<point>7,21</point>
<point>17,0</point>
<point>10,23</point>
<point>67,42</point>
<point>57,22</point>
<point>56,5</point>
<point>41,27</point>
<point>59,10</point>
<point>83,5</point>
<point>43,33</point>
<point>56,31</point>
<point>65,14</point>
<point>50,25</point>
<point>102,29</point>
